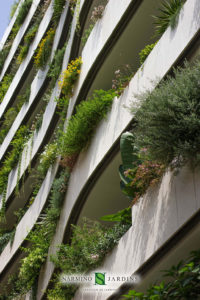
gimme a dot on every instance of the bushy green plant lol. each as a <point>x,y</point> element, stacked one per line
<point>44,49</point>
<point>4,85</point>
<point>89,245</point>
<point>56,65</point>
<point>144,53</point>
<point>61,292</point>
<point>168,119</point>
<point>23,11</point>
<point>183,283</point>
<point>168,16</point>
<point>81,126</point>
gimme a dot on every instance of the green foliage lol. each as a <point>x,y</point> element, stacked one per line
<point>123,216</point>
<point>4,85</point>
<point>138,172</point>
<point>56,65</point>
<point>89,245</point>
<point>168,121</point>
<point>183,283</point>
<point>144,53</point>
<point>69,76</point>
<point>81,126</point>
<point>122,78</point>
<point>28,39</point>
<point>11,114</point>
<point>3,54</point>
<point>23,11</point>
<point>41,237</point>
<point>5,237</point>
<point>44,49</point>
<point>47,158</point>
<point>12,157</point>
<point>58,7</point>
<point>61,292</point>
<point>9,118</point>
<point>86,34</point>
<point>13,8</point>
<point>169,13</point>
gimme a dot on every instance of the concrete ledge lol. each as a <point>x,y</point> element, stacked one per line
<point>19,37</point>
<point>10,26</point>
<point>18,79</point>
<point>36,86</point>
<point>29,219</point>
<point>156,218</point>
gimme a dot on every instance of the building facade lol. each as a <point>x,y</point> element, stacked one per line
<point>44,156</point>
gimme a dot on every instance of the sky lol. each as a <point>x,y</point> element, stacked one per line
<point>5,6</point>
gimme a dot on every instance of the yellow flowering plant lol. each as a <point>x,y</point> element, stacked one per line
<point>69,77</point>
<point>44,49</point>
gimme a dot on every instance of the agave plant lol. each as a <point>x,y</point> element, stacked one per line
<point>168,16</point>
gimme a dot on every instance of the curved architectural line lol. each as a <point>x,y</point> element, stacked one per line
<point>119,118</point>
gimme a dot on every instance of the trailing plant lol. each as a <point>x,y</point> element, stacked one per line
<point>81,126</point>
<point>44,49</point>
<point>122,78</point>
<point>168,16</point>
<point>4,85</point>
<point>69,77</point>
<point>56,65</point>
<point>144,53</point>
<point>168,118</point>
<point>90,243</point>
<point>183,283</point>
